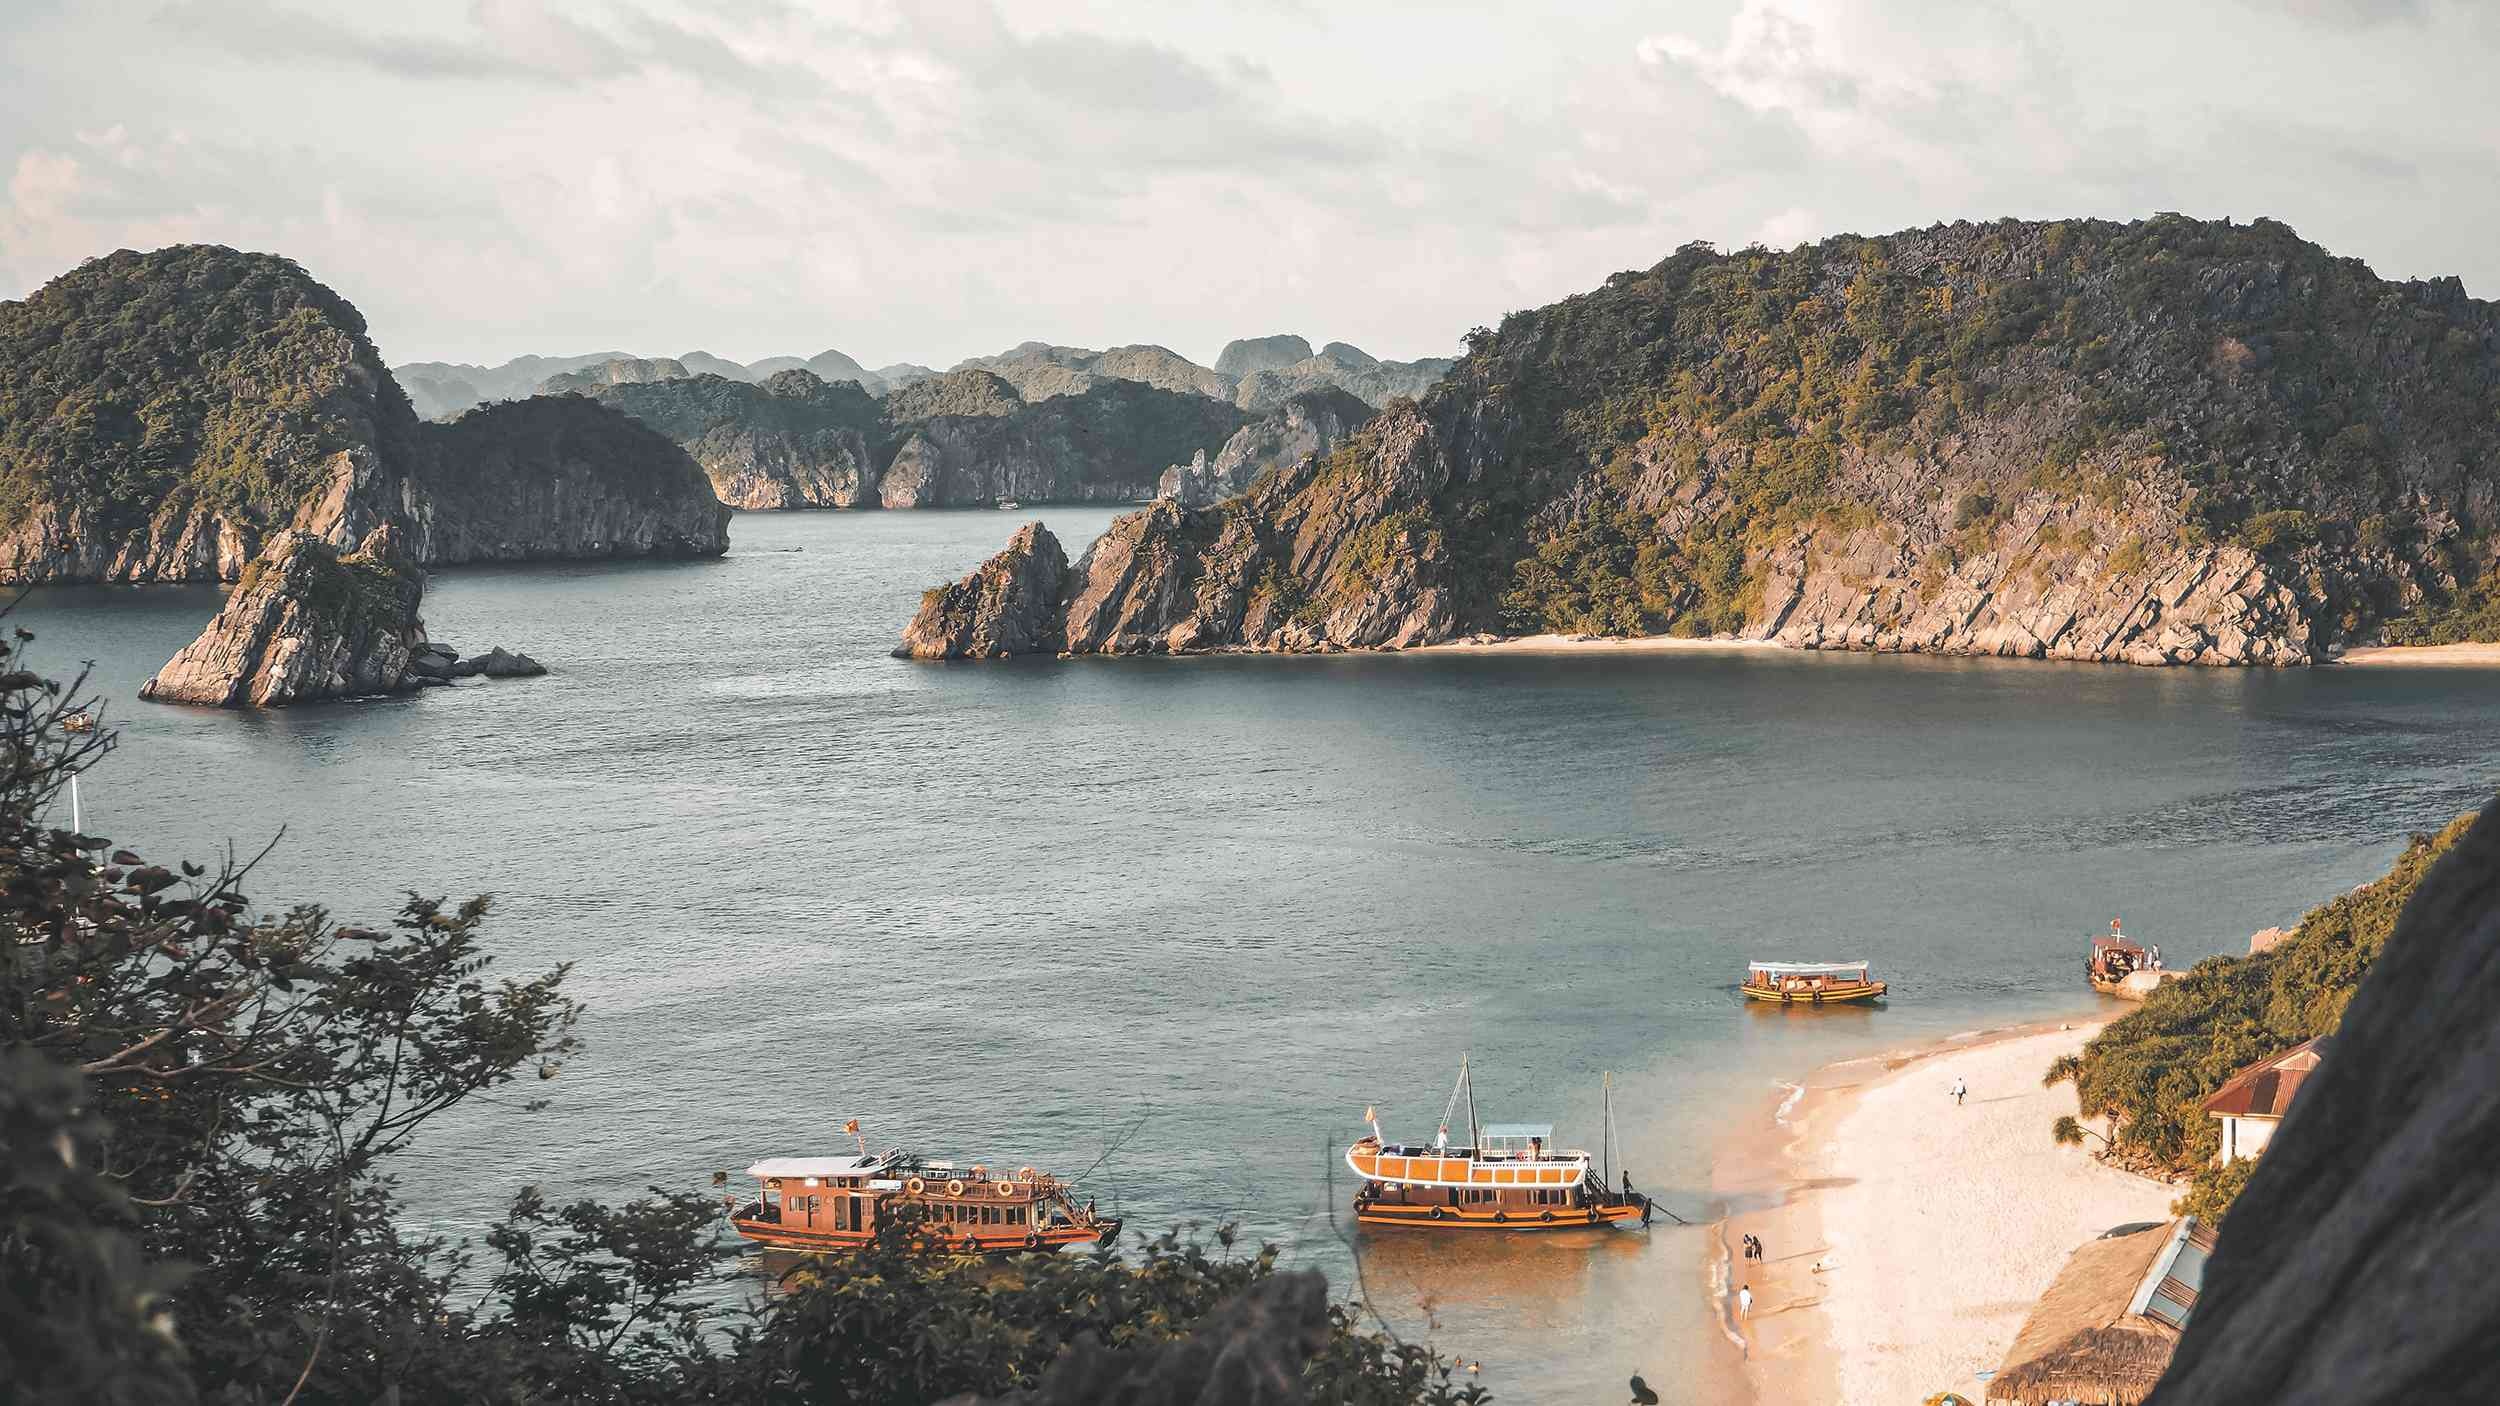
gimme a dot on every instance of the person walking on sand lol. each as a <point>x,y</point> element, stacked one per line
<point>1744,1301</point>
<point>1960,1090</point>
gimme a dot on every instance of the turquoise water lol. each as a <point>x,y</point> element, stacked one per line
<point>1210,909</point>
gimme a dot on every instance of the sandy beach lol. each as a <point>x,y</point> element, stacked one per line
<point>2434,656</point>
<point>1906,1237</point>
<point>1597,644</point>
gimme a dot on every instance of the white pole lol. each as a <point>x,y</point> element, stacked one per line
<point>77,814</point>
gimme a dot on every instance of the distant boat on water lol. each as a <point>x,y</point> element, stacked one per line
<point>1506,1176</point>
<point>1008,504</point>
<point>1812,983</point>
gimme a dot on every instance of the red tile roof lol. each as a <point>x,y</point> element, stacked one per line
<point>2266,1089</point>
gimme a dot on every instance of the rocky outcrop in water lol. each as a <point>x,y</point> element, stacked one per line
<point>557,478</point>
<point>1107,444</point>
<point>305,624</point>
<point>1009,606</point>
<point>1313,422</point>
<point>792,442</point>
<point>2158,443</point>
<point>2353,1269</point>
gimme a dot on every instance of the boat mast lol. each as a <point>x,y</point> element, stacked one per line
<point>1606,1166</point>
<point>1475,1133</point>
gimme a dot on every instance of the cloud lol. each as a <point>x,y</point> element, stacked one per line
<point>926,179</point>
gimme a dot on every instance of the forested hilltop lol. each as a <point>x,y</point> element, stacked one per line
<point>163,413</point>
<point>2165,441</point>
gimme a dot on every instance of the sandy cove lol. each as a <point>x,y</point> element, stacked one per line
<point>2411,656</point>
<point>1595,644</point>
<point>1906,1238</point>
<point>2434,656</point>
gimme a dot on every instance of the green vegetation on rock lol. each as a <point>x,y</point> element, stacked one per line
<point>2148,1074</point>
<point>231,378</point>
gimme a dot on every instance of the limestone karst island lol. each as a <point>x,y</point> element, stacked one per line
<point>1755,703</point>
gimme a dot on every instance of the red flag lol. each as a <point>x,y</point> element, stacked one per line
<point>851,1126</point>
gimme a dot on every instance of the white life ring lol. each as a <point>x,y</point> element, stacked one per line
<point>915,1186</point>
<point>1006,1189</point>
<point>955,1187</point>
<point>1024,1173</point>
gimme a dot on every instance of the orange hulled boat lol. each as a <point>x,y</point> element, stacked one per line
<point>835,1203</point>
<point>1507,1176</point>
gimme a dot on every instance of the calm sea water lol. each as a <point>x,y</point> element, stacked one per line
<point>1200,913</point>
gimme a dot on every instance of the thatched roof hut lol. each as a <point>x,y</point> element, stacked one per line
<point>2104,1331</point>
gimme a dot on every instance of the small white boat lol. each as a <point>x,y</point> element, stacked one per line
<point>1008,505</point>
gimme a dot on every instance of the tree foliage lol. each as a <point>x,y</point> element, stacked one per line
<point>191,372</point>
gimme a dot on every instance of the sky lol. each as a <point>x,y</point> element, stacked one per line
<point>937,179</point>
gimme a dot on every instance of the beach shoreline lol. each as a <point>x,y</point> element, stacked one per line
<point>2422,656</point>
<point>1598,644</point>
<point>1906,1236</point>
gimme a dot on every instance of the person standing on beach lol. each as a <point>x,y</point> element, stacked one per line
<point>1959,1090</point>
<point>1744,1301</point>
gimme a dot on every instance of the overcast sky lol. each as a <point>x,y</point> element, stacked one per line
<point>935,179</point>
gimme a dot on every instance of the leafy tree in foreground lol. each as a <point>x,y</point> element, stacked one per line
<point>201,1105</point>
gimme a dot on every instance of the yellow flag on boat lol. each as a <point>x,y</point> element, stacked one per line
<point>851,1126</point>
<point>1371,1115</point>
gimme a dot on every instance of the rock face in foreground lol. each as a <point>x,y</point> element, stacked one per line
<point>2167,442</point>
<point>1314,422</point>
<point>2354,1269</point>
<point>1009,606</point>
<point>305,624</point>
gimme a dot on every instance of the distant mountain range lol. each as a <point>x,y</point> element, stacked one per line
<point>1255,374</point>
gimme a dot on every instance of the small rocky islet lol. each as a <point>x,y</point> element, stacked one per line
<point>2170,441</point>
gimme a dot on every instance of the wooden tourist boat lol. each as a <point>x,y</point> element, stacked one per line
<point>1508,1176</point>
<point>835,1203</point>
<point>2118,967</point>
<point>1811,983</point>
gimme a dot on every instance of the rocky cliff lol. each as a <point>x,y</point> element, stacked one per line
<point>305,624</point>
<point>2354,1267</point>
<point>162,415</point>
<point>1010,605</point>
<point>1108,443</point>
<point>1314,422</point>
<point>792,442</point>
<point>557,478</point>
<point>2170,441</point>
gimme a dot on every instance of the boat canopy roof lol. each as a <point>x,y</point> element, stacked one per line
<point>1808,968</point>
<point>2121,940</point>
<point>1518,1132</point>
<point>772,1167</point>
